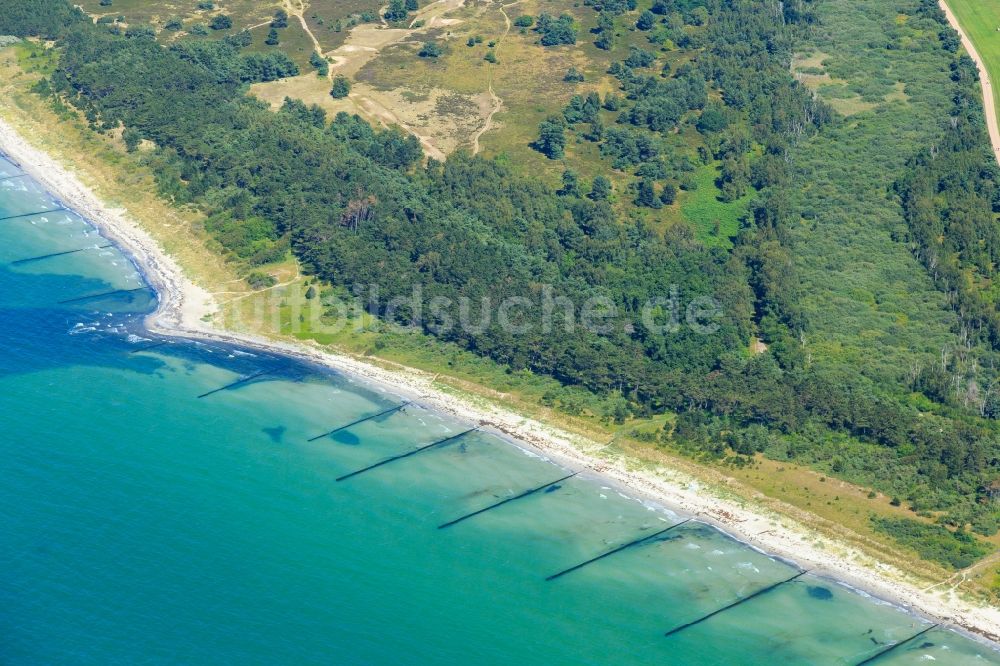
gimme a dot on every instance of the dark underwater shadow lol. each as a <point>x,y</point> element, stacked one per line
<point>50,321</point>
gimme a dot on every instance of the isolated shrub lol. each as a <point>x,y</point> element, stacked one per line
<point>258,280</point>
<point>341,87</point>
<point>221,22</point>
<point>132,139</point>
<point>430,50</point>
<point>646,20</point>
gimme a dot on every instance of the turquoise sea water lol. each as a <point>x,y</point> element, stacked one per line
<point>142,524</point>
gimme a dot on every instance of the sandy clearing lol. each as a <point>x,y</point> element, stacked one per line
<point>372,108</point>
<point>365,42</point>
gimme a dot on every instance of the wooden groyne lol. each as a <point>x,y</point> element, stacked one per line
<point>756,594</point>
<point>426,447</point>
<point>630,544</point>
<point>524,494</point>
<point>385,412</point>
<point>238,382</point>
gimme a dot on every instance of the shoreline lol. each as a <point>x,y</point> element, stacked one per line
<point>182,304</point>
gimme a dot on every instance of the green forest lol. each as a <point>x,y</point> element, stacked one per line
<point>866,264</point>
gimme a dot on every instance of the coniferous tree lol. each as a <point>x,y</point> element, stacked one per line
<point>600,190</point>
<point>596,131</point>
<point>132,139</point>
<point>320,63</point>
<point>570,184</point>
<point>430,50</point>
<point>669,194</point>
<point>341,87</point>
<point>605,32</point>
<point>396,11</point>
<point>646,195</point>
<point>221,22</point>
<point>552,137</point>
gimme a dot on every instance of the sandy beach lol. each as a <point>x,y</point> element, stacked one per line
<point>183,304</point>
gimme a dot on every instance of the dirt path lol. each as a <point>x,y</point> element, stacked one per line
<point>364,43</point>
<point>959,578</point>
<point>497,102</point>
<point>298,11</point>
<point>989,104</point>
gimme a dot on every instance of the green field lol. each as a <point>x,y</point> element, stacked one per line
<point>981,22</point>
<point>715,222</point>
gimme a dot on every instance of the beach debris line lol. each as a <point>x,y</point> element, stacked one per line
<point>238,382</point>
<point>38,212</point>
<point>115,292</point>
<point>384,412</point>
<point>756,594</point>
<point>619,549</point>
<point>892,647</point>
<point>29,260</point>
<point>432,445</point>
<point>505,501</point>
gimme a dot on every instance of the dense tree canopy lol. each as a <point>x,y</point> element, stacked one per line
<point>43,18</point>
